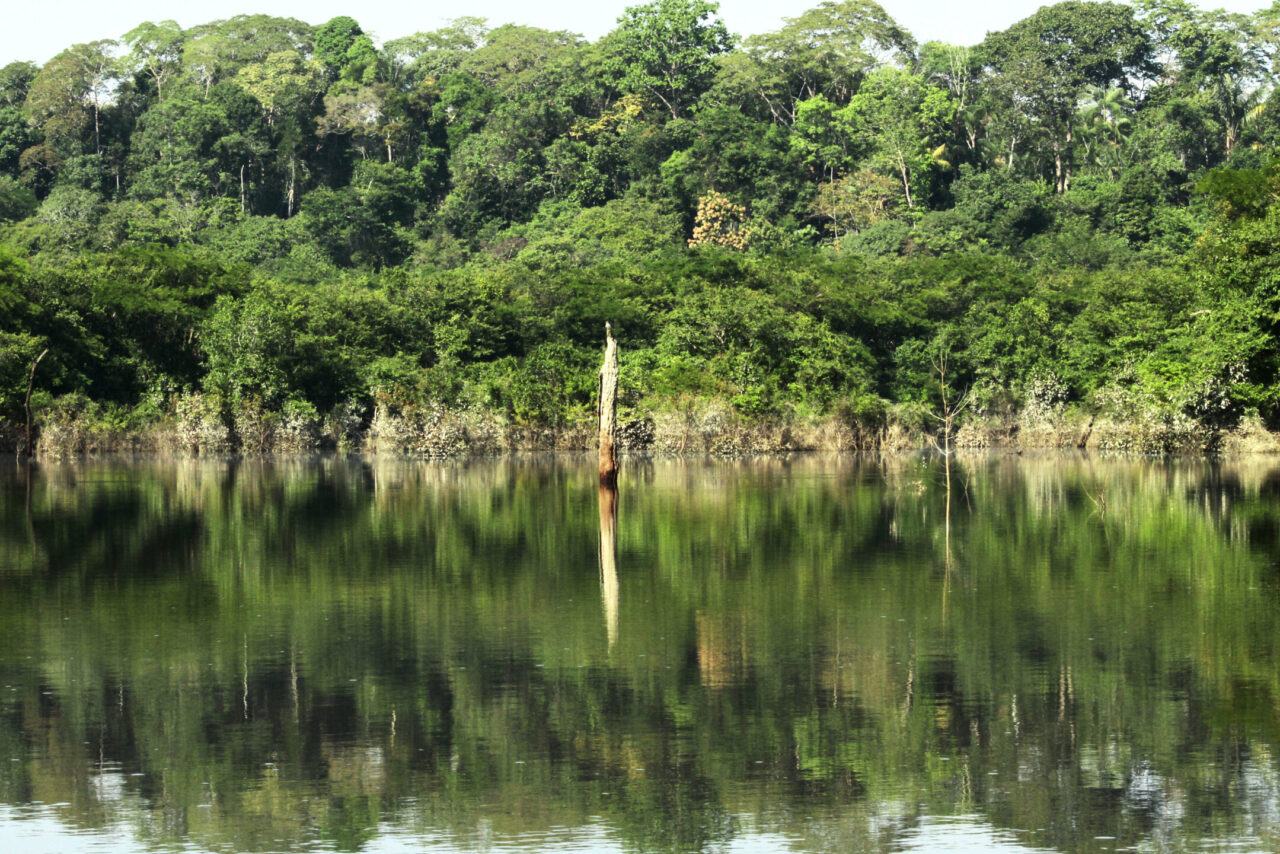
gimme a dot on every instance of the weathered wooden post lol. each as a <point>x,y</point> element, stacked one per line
<point>608,411</point>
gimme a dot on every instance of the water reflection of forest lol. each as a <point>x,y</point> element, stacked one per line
<point>238,652</point>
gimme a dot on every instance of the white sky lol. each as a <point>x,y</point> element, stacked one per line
<point>37,30</point>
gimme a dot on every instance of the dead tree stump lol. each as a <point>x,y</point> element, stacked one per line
<point>608,411</point>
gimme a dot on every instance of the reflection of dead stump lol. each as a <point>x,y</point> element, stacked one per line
<point>608,411</point>
<point>609,560</point>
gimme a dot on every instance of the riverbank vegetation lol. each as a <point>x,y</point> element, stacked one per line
<point>258,234</point>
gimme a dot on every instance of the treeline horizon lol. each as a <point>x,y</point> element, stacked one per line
<point>1076,216</point>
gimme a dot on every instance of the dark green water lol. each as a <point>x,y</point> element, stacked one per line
<point>334,655</point>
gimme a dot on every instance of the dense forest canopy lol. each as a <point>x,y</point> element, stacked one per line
<point>1080,212</point>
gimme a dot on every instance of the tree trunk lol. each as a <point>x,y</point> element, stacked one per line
<point>906,179</point>
<point>608,411</point>
<point>1066,168</point>
<point>31,381</point>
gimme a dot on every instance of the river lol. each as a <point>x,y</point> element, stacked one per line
<point>806,654</point>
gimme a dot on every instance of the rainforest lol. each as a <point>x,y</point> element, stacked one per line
<point>260,234</point>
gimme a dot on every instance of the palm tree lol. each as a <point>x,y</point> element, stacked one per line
<point>1105,125</point>
<point>1236,102</point>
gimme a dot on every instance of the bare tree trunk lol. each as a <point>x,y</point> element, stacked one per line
<point>1057,167</point>
<point>31,381</point>
<point>1066,167</point>
<point>906,179</point>
<point>608,411</point>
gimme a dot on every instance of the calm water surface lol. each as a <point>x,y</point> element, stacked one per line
<point>799,655</point>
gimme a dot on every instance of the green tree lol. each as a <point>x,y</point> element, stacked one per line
<point>16,201</point>
<point>358,113</point>
<point>156,49</point>
<point>522,63</point>
<point>19,344</point>
<point>338,43</point>
<point>1221,55</point>
<point>826,51</point>
<point>432,55</point>
<point>958,70</point>
<point>285,84</point>
<point>821,141</point>
<point>1045,60</point>
<point>218,50</point>
<point>15,138</point>
<point>899,120</point>
<point>173,149</point>
<point>15,82</point>
<point>287,87</point>
<point>1105,125</point>
<point>858,201</point>
<point>67,96</point>
<point>243,154</point>
<point>667,48</point>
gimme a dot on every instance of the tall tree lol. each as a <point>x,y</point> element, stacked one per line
<point>825,51</point>
<point>68,94</point>
<point>821,142</point>
<point>899,120</point>
<point>15,82</point>
<point>156,49</point>
<point>218,50</point>
<point>433,54</point>
<point>360,113</point>
<point>284,83</point>
<point>1217,54</point>
<point>1047,58</point>
<point>668,49</point>
<point>15,138</point>
<point>173,151</point>
<point>345,51</point>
